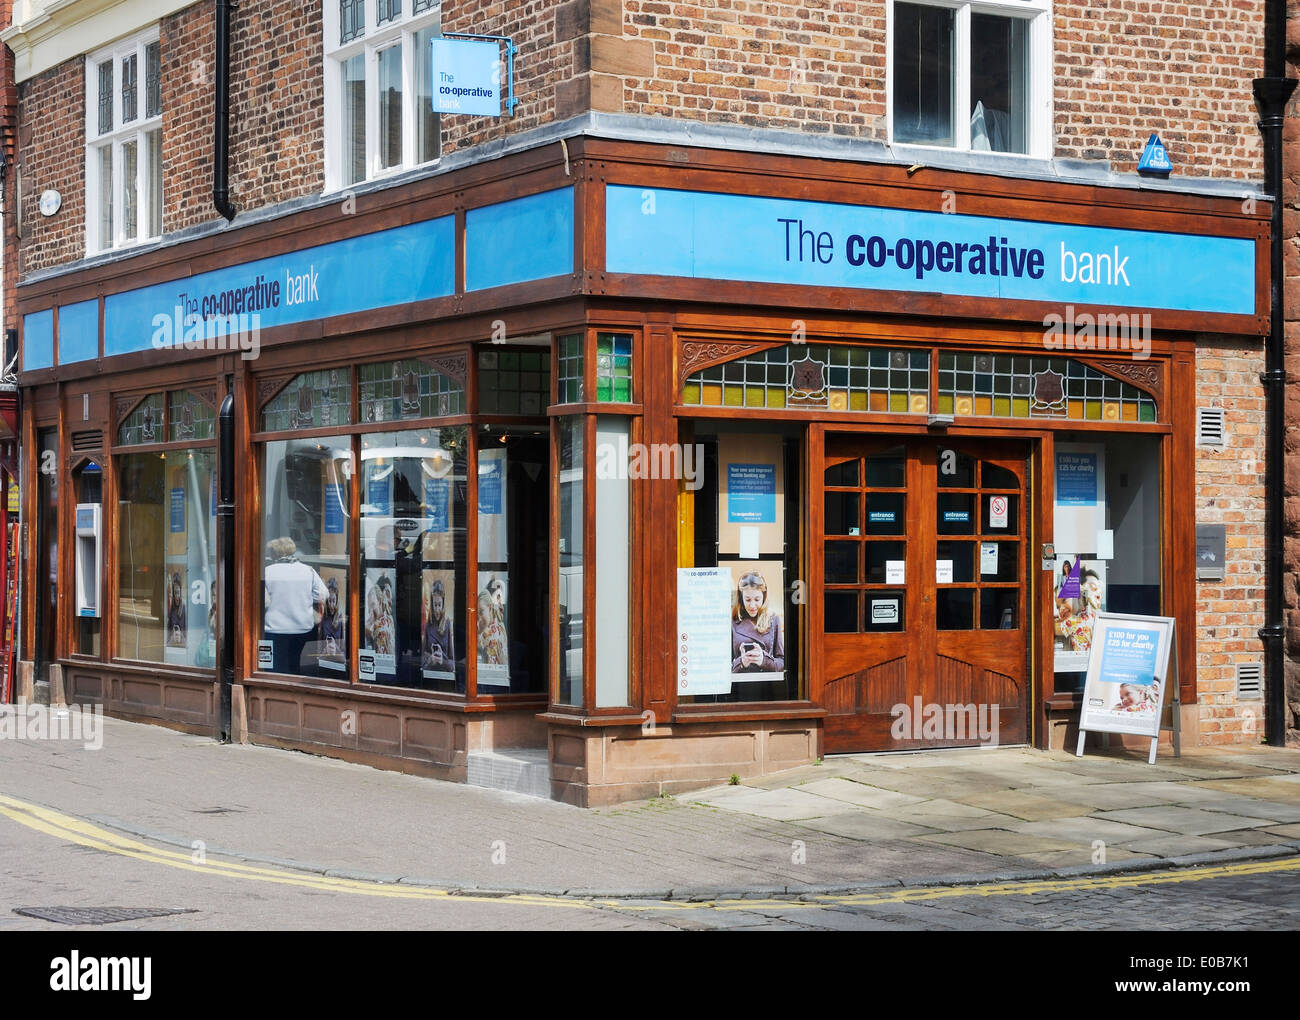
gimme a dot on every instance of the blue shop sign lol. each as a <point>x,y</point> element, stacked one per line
<point>706,236</point>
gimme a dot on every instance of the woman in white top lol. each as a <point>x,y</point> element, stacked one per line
<point>295,596</point>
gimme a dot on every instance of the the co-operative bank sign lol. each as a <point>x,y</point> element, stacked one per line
<point>710,236</point>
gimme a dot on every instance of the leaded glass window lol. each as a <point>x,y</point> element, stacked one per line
<point>152,80</point>
<point>569,390</point>
<point>130,90</point>
<point>352,20</point>
<point>394,390</point>
<point>614,368</point>
<point>105,97</point>
<point>189,418</point>
<point>817,377</point>
<point>423,5</point>
<point>312,400</point>
<point>144,424</point>
<point>513,381</point>
<point>387,10</point>
<point>1028,386</point>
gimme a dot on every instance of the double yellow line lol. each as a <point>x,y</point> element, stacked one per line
<point>82,833</point>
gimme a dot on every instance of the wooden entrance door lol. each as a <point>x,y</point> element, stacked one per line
<point>925,592</point>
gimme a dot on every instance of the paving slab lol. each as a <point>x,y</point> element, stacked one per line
<point>854,792</point>
<point>1084,856</point>
<point>1029,807</point>
<point>864,826</point>
<point>1086,830</point>
<point>1116,796</point>
<point>1287,831</point>
<point>1174,845</point>
<point>955,823</point>
<point>1186,820</point>
<point>783,805</point>
<point>1272,810</point>
<point>1281,788</point>
<point>999,841</point>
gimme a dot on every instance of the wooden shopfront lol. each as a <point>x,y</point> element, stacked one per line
<point>881,445</point>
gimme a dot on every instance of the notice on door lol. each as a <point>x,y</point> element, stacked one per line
<point>997,511</point>
<point>943,571</point>
<point>988,557</point>
<point>703,630</point>
<point>895,571</point>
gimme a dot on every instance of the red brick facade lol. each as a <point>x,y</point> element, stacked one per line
<point>1178,68</point>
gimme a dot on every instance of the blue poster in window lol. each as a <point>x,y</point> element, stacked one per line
<point>212,495</point>
<point>333,509</point>
<point>956,516</point>
<point>437,503</point>
<point>377,496</point>
<point>178,510</point>
<point>489,487</point>
<point>751,493</point>
<point>1076,479</point>
<point>1128,656</point>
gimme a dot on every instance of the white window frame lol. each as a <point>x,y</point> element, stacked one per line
<point>402,29</point>
<point>1039,103</point>
<point>137,131</point>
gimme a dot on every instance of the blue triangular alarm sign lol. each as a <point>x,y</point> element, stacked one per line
<point>1155,158</point>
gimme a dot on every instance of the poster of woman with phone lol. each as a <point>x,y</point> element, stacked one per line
<point>757,643</point>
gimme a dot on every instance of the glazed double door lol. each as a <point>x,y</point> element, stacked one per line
<point>924,592</point>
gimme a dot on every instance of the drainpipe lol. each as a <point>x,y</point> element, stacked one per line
<point>221,132</point>
<point>1271,95</point>
<point>226,617</point>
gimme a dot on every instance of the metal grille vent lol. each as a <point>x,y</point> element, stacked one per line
<point>86,442</point>
<point>1250,681</point>
<point>1211,429</point>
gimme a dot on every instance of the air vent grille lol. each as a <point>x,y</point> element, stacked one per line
<point>1211,429</point>
<point>1250,681</point>
<point>88,442</point>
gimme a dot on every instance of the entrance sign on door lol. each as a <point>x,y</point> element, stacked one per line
<point>1128,677</point>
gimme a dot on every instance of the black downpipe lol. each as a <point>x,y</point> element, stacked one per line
<point>221,133</point>
<point>226,615</point>
<point>1271,96</point>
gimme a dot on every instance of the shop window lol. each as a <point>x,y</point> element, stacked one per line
<point>1107,537</point>
<point>570,383</point>
<point>614,368</point>
<point>1026,386</point>
<point>89,482</point>
<point>747,567</point>
<point>823,377</point>
<point>397,390</point>
<point>379,117</point>
<point>413,535</point>
<point>312,400</point>
<point>166,531</point>
<point>514,381</point>
<point>47,549</point>
<point>572,559</point>
<point>970,78</point>
<point>124,144</point>
<point>144,424</point>
<point>512,607</point>
<point>306,492</point>
<point>189,418</point>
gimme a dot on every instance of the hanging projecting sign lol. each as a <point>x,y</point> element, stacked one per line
<point>705,236</point>
<point>1155,158</point>
<point>466,77</point>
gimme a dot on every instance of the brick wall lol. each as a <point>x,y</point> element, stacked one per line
<point>276,117</point>
<point>1123,69</point>
<point>51,133</point>
<point>1230,491</point>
